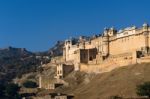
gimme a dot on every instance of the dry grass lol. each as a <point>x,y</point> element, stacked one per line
<point>121,82</point>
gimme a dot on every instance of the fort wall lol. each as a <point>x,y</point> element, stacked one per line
<point>113,49</point>
<point>128,43</point>
<point>103,53</point>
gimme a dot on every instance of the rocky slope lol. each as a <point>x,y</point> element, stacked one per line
<point>56,50</point>
<point>16,61</point>
<point>119,82</point>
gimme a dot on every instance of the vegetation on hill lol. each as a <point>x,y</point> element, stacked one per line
<point>16,61</point>
<point>144,89</point>
<point>9,91</point>
<point>30,84</point>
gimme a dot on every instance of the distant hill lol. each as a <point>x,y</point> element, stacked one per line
<point>56,50</point>
<point>15,62</point>
<point>14,52</point>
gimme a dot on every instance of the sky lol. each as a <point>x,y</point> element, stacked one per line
<point>38,24</point>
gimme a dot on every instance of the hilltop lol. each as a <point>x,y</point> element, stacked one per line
<point>56,50</point>
<point>14,52</point>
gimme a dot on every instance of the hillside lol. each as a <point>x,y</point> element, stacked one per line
<point>121,82</point>
<point>16,61</point>
<point>55,50</point>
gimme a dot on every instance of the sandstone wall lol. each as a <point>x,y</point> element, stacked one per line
<point>110,63</point>
<point>127,44</point>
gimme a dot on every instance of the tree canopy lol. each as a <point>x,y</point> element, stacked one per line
<point>144,89</point>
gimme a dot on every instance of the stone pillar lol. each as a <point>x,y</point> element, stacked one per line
<point>105,43</point>
<point>146,34</point>
<point>76,66</point>
<point>134,57</point>
<point>64,54</point>
<point>105,46</point>
<point>40,81</point>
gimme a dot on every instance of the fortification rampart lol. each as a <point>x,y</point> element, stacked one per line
<point>109,50</point>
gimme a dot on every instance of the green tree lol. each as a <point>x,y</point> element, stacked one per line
<point>2,90</point>
<point>11,91</point>
<point>144,89</point>
<point>30,84</point>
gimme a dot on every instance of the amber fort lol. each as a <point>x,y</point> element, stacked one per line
<point>108,50</point>
<point>104,52</point>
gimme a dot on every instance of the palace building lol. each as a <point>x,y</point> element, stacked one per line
<point>100,53</point>
<point>109,50</point>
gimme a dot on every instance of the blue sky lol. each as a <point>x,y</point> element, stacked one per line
<point>38,24</point>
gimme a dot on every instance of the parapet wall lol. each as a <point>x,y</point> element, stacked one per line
<point>110,63</point>
<point>57,60</point>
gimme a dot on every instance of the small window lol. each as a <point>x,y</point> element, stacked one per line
<point>84,56</point>
<point>68,47</point>
<point>68,42</point>
<point>91,58</point>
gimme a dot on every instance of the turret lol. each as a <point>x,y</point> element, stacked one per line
<point>105,32</point>
<point>145,26</point>
<point>105,38</point>
<point>67,45</point>
<point>146,34</point>
<point>64,53</point>
<point>112,32</point>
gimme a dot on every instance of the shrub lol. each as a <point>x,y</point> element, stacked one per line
<point>11,91</point>
<point>144,89</point>
<point>115,97</point>
<point>30,84</point>
<point>2,90</point>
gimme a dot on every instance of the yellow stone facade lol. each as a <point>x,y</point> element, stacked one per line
<point>111,49</point>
